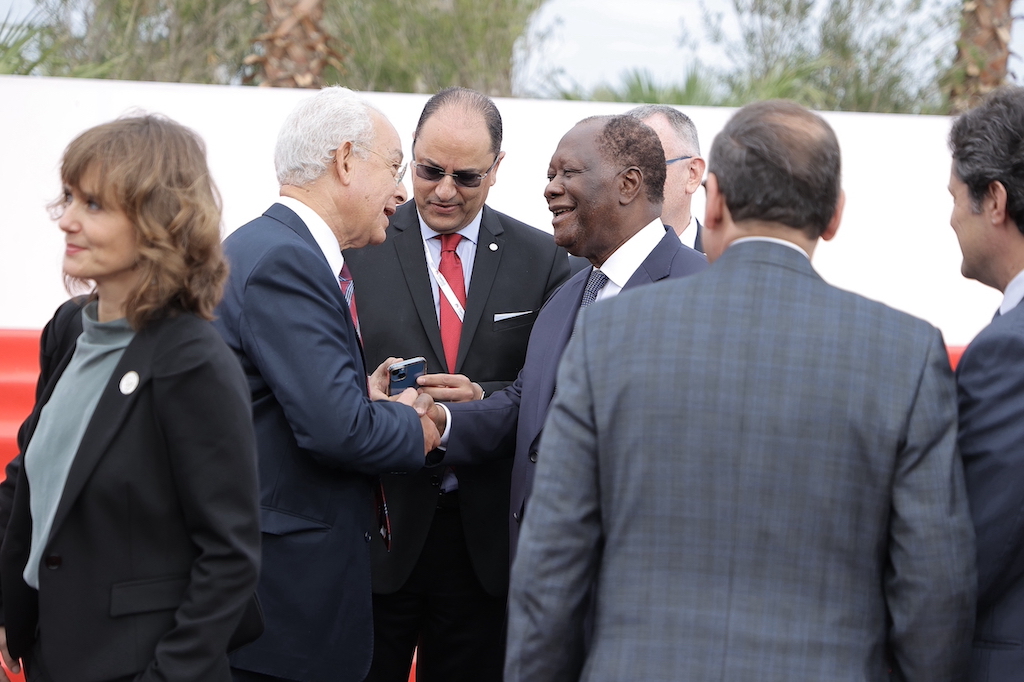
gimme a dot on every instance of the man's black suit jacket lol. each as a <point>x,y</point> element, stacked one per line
<point>516,268</point>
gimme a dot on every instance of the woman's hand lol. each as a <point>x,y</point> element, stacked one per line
<point>13,665</point>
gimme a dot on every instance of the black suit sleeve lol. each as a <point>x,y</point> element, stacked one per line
<point>57,340</point>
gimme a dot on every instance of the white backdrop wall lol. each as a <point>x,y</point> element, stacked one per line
<point>895,244</point>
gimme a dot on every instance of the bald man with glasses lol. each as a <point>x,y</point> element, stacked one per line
<point>459,284</point>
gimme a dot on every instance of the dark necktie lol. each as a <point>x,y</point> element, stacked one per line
<point>451,325</point>
<point>348,290</point>
<point>595,282</point>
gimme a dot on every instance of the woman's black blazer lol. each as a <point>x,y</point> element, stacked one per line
<point>154,549</point>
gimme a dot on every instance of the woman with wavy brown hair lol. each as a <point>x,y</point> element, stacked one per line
<point>130,517</point>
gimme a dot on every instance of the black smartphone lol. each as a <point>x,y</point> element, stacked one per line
<point>404,374</point>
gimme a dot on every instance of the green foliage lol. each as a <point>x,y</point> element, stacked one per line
<point>843,55</point>
<point>426,45</point>
<point>398,45</point>
<point>19,52</point>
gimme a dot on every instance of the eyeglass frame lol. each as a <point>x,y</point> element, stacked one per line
<point>669,162</point>
<point>399,174</point>
<point>455,176</point>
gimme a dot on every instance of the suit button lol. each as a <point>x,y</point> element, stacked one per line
<point>367,536</point>
<point>533,456</point>
<point>435,481</point>
<point>515,515</point>
<point>54,561</point>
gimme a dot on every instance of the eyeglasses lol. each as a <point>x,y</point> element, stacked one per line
<point>669,162</point>
<point>461,178</point>
<point>398,172</point>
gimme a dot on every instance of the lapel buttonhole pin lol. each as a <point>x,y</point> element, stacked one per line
<point>129,382</point>
<point>493,246</point>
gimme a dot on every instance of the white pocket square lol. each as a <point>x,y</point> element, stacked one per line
<point>498,317</point>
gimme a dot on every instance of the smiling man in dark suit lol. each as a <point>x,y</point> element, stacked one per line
<point>442,586</point>
<point>753,475</point>
<point>987,184</point>
<point>605,189</point>
<point>321,440</point>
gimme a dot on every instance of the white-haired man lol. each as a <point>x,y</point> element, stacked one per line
<point>289,314</point>
<point>684,168</point>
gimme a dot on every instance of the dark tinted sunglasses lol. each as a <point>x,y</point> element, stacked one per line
<point>461,178</point>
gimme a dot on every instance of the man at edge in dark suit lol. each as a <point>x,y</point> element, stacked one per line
<point>321,441</point>
<point>442,585</point>
<point>606,181</point>
<point>987,184</point>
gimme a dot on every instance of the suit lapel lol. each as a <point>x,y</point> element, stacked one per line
<point>485,268</point>
<point>658,264</point>
<point>565,307</point>
<point>408,243</point>
<point>110,414</point>
<point>287,217</point>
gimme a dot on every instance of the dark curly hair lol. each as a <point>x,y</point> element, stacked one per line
<point>629,142</point>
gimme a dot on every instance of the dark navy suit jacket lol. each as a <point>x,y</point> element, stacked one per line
<point>990,387</point>
<point>320,442</point>
<point>518,411</point>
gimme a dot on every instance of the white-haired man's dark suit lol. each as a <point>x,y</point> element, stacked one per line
<point>757,473</point>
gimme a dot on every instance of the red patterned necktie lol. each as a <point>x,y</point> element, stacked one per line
<point>451,325</point>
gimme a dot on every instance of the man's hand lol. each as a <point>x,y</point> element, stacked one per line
<point>424,405</point>
<point>12,665</point>
<point>439,417</point>
<point>379,383</point>
<point>450,388</point>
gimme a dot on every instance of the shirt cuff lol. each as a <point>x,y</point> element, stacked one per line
<point>447,426</point>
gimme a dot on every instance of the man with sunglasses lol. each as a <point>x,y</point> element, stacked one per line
<point>459,284</point>
<point>684,168</point>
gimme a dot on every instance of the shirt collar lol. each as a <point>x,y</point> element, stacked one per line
<point>470,232</point>
<point>689,235</point>
<point>1013,295</point>
<point>773,240</point>
<point>322,234</point>
<point>626,259</point>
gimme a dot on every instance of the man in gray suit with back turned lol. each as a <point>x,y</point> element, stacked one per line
<point>755,473</point>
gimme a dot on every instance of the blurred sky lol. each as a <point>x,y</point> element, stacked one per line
<point>587,42</point>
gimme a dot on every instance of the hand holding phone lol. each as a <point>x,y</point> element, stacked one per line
<point>403,374</point>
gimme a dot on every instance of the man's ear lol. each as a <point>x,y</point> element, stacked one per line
<point>344,158</point>
<point>493,175</point>
<point>631,181</point>
<point>697,168</point>
<point>714,204</point>
<point>837,217</point>
<point>995,202</point>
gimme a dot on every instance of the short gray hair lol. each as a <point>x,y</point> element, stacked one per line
<point>679,121</point>
<point>315,128</point>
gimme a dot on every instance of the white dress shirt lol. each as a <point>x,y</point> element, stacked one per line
<point>1013,295</point>
<point>322,234</point>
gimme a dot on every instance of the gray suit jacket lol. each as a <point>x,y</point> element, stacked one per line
<point>990,380</point>
<point>781,501</point>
